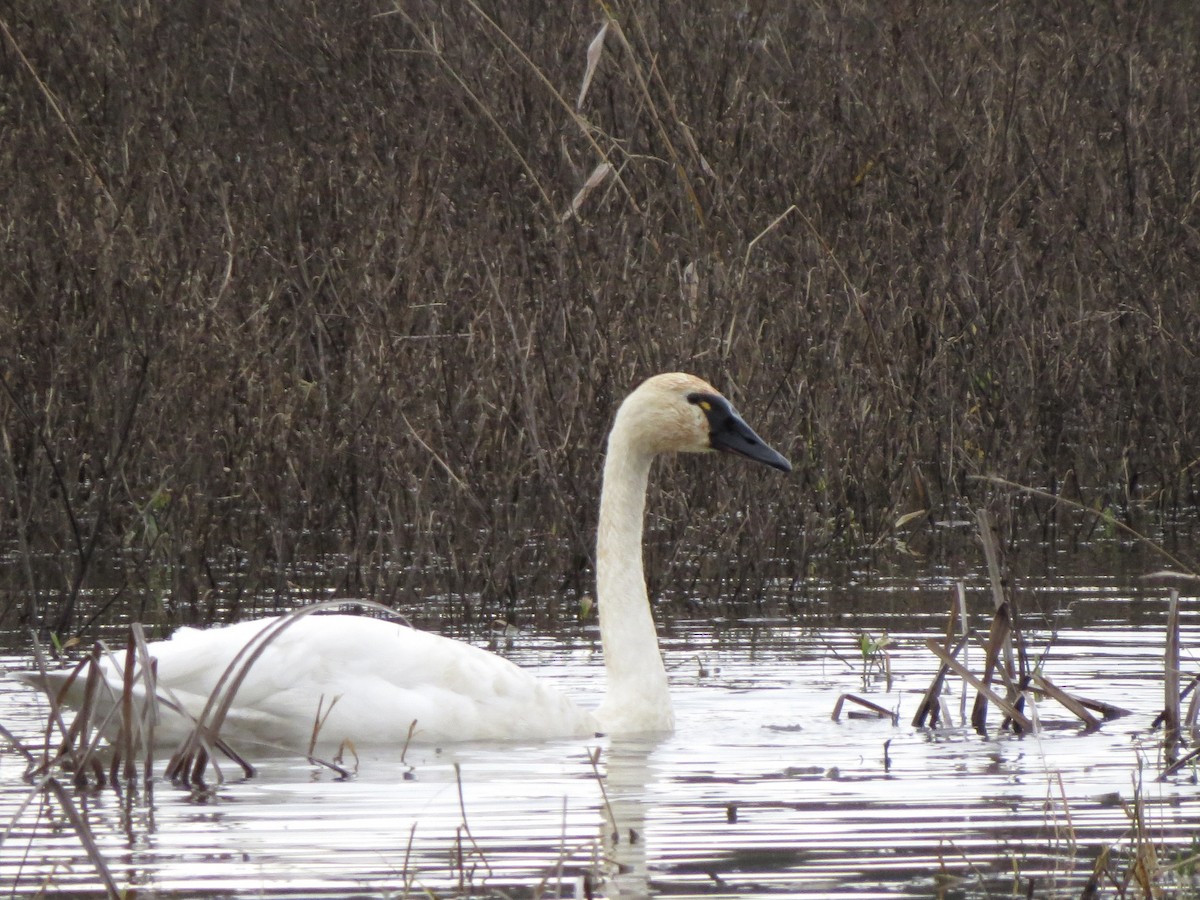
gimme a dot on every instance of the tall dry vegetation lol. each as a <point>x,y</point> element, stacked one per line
<point>285,285</point>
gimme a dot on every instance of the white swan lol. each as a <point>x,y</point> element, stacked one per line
<point>385,675</point>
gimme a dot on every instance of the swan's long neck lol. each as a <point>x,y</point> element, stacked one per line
<point>637,698</point>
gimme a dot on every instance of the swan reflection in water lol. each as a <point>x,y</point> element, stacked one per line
<point>628,777</point>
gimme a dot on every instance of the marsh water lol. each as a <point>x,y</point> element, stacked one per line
<point>759,792</point>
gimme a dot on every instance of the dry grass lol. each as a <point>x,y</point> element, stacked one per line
<point>279,288</point>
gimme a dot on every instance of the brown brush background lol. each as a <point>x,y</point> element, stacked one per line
<point>288,296</point>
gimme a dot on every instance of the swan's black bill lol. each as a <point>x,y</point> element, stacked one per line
<point>729,433</point>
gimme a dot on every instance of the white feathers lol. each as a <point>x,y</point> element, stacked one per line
<point>383,683</point>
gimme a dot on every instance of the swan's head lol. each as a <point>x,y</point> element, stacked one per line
<point>680,413</point>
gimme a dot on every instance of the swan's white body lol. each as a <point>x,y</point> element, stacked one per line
<point>385,676</point>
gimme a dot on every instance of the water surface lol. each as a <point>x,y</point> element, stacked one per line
<point>759,791</point>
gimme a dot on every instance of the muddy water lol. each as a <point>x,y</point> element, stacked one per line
<point>759,792</point>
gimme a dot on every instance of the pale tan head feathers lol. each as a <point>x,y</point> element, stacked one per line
<point>658,417</point>
<point>680,413</point>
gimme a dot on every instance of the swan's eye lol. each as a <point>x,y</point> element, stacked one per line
<point>701,401</point>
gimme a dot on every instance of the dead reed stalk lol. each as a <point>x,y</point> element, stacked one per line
<point>199,748</point>
<point>1000,661</point>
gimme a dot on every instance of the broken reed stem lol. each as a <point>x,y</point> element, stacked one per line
<point>1054,692</point>
<point>1194,704</point>
<point>412,729</point>
<point>318,723</point>
<point>554,873</point>
<point>189,761</point>
<point>996,637</point>
<point>1006,629</point>
<point>54,719</point>
<point>879,711</point>
<point>1106,710</point>
<point>83,831</point>
<point>1006,678</point>
<point>466,828</point>
<point>1185,760</point>
<point>960,591</point>
<point>75,746</point>
<point>958,612</point>
<point>991,555</point>
<point>13,741</point>
<point>985,691</point>
<point>124,758</point>
<point>1072,842</point>
<point>149,712</point>
<point>128,724</point>
<point>1003,595</point>
<point>1171,701</point>
<point>594,760</point>
<point>929,707</point>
